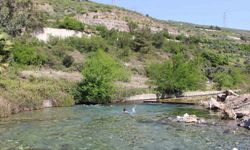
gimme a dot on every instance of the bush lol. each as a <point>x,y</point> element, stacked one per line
<point>27,55</point>
<point>158,39</point>
<point>143,41</point>
<point>71,23</point>
<point>228,79</point>
<point>174,47</point>
<point>87,44</point>
<point>215,59</point>
<point>68,61</point>
<point>175,76</point>
<point>19,15</point>
<point>132,26</point>
<point>102,30</point>
<point>100,71</point>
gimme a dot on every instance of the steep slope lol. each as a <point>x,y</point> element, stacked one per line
<point>119,18</point>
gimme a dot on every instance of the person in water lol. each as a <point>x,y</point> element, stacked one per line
<point>125,111</point>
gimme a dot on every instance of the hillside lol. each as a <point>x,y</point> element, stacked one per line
<point>51,44</point>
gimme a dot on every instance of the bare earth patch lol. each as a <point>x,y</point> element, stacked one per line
<point>136,81</point>
<point>73,76</point>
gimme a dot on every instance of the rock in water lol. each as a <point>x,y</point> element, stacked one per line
<point>213,104</point>
<point>245,123</point>
<point>47,103</point>
<point>188,118</point>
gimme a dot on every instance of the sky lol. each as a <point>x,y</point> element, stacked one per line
<point>236,13</point>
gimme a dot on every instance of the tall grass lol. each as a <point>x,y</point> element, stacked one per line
<point>28,94</point>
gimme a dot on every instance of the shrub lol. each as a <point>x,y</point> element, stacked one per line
<point>102,30</point>
<point>174,47</point>
<point>132,26</point>
<point>175,76</point>
<point>158,39</point>
<point>143,41</point>
<point>228,79</point>
<point>181,37</point>
<point>124,40</point>
<point>100,71</point>
<point>68,61</point>
<point>215,59</point>
<point>71,23</point>
<point>87,44</point>
<point>27,55</point>
<point>19,15</point>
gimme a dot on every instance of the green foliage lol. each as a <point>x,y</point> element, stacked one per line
<point>228,79</point>
<point>245,47</point>
<point>29,94</point>
<point>102,30</point>
<point>19,15</point>
<point>181,37</point>
<point>100,71</point>
<point>87,44</point>
<point>6,47</point>
<point>215,59</point>
<point>247,63</point>
<point>132,26</point>
<point>71,23</point>
<point>27,55</point>
<point>158,39</point>
<point>174,47</point>
<point>68,61</point>
<point>175,76</point>
<point>124,40</point>
<point>143,40</point>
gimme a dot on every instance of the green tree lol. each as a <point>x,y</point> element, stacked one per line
<point>100,71</point>
<point>175,76</point>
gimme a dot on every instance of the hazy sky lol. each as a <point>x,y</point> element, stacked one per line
<point>207,12</point>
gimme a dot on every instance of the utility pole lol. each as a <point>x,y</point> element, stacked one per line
<point>113,2</point>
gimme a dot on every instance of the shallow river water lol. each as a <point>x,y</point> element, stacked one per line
<point>106,128</point>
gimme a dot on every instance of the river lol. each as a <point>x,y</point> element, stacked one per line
<point>107,127</point>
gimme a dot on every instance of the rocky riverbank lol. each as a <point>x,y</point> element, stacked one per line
<point>230,105</point>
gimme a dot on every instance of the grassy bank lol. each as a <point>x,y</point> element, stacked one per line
<point>19,94</point>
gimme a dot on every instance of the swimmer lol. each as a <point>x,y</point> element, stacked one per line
<point>125,111</point>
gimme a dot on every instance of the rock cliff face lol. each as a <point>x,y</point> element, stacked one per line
<point>231,106</point>
<point>118,19</point>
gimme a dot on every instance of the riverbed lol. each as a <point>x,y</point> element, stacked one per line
<point>147,126</point>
